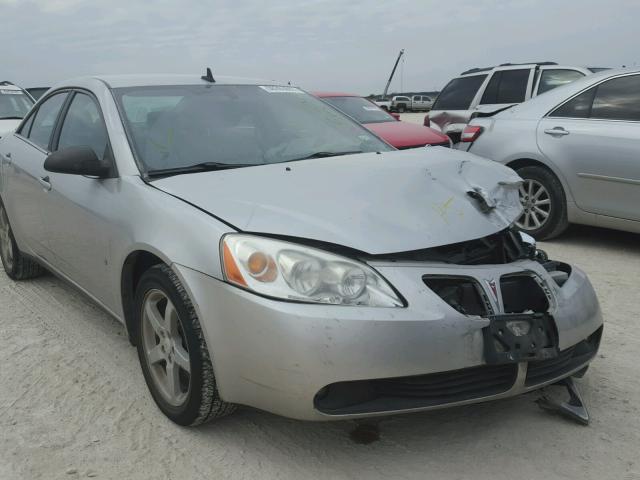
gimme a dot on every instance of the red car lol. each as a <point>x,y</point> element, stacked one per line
<point>386,125</point>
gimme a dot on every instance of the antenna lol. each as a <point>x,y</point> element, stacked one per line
<point>208,77</point>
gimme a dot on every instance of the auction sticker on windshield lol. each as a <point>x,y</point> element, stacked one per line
<point>10,92</point>
<point>280,89</point>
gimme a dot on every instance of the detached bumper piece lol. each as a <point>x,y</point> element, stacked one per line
<point>574,408</point>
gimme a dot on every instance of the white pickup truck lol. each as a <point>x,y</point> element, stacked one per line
<point>383,103</point>
<point>417,103</point>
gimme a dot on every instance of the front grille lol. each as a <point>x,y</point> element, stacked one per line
<point>419,391</point>
<point>542,371</point>
<point>452,386</point>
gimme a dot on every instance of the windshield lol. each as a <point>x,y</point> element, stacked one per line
<point>360,108</point>
<point>14,103</point>
<point>185,125</point>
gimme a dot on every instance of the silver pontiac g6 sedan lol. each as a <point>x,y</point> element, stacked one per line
<point>263,249</point>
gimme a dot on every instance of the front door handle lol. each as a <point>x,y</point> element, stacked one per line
<point>7,158</point>
<point>45,182</point>
<point>556,131</point>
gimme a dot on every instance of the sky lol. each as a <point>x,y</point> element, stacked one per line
<point>333,45</point>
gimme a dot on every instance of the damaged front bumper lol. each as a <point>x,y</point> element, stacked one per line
<point>322,362</point>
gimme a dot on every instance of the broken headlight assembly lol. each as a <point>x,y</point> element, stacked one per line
<point>289,271</point>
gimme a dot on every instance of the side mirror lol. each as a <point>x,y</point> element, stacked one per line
<point>396,116</point>
<point>76,161</point>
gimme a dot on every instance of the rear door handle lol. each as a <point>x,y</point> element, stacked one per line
<point>556,131</point>
<point>45,182</point>
<point>7,158</point>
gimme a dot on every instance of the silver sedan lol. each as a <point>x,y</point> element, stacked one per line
<point>263,249</point>
<point>578,150</point>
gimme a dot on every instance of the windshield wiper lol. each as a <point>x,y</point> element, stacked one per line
<point>324,155</point>
<point>198,167</point>
<point>11,118</point>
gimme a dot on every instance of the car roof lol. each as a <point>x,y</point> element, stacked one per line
<point>333,94</point>
<point>124,81</point>
<point>542,103</point>
<point>515,66</point>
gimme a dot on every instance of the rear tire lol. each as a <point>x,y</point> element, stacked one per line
<point>173,353</point>
<point>16,265</point>
<point>544,202</point>
<point>402,108</point>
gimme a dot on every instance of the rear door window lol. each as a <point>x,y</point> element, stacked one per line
<point>618,99</point>
<point>45,119</point>
<point>459,93</point>
<point>550,79</point>
<point>578,107</point>
<point>506,86</point>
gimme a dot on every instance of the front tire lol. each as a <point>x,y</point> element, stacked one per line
<point>16,265</point>
<point>544,202</point>
<point>402,108</point>
<point>173,353</point>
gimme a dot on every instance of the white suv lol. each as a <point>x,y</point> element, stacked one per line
<point>486,90</point>
<point>14,105</point>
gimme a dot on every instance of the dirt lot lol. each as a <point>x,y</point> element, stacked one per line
<point>73,404</point>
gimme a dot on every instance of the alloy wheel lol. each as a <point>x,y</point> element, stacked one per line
<point>6,245</point>
<point>165,348</point>
<point>536,203</point>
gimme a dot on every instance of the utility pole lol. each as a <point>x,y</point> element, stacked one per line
<point>386,89</point>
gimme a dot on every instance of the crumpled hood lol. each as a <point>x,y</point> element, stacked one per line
<point>377,203</point>
<point>8,126</point>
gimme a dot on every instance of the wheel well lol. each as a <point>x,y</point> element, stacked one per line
<point>134,267</point>
<point>527,162</point>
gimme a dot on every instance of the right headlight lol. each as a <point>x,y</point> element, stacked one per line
<point>290,271</point>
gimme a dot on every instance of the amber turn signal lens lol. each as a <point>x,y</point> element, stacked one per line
<point>230,268</point>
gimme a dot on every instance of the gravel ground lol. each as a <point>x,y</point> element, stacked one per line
<point>73,404</point>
